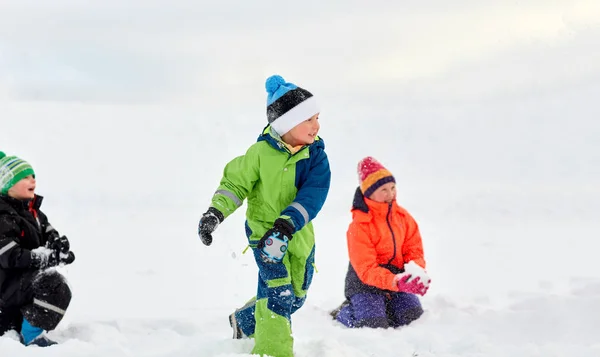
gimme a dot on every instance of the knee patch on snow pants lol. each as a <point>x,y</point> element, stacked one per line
<point>51,298</point>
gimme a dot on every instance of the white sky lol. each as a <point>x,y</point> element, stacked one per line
<point>120,51</point>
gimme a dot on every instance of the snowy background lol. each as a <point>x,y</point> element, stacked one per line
<point>486,112</point>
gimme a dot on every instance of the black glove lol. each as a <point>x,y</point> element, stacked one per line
<point>50,258</point>
<point>51,234</point>
<point>67,258</point>
<point>60,244</point>
<point>208,223</point>
<point>44,259</point>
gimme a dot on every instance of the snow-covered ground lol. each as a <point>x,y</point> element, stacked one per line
<point>486,114</point>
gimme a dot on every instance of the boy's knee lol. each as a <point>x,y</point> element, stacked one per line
<point>280,300</point>
<point>48,279</point>
<point>52,285</point>
<point>51,298</point>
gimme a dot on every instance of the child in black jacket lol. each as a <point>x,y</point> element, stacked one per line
<point>33,299</point>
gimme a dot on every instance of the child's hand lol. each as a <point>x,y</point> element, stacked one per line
<point>414,280</point>
<point>67,258</point>
<point>273,245</point>
<point>61,245</point>
<point>407,284</point>
<point>208,223</point>
<point>42,258</point>
<point>415,270</point>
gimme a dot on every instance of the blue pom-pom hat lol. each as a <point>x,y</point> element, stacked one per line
<point>287,104</point>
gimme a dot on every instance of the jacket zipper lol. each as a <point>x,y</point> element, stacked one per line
<point>387,219</point>
<point>34,213</point>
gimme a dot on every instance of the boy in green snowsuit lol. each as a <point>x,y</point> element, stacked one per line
<point>285,176</point>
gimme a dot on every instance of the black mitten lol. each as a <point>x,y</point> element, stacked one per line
<point>208,223</point>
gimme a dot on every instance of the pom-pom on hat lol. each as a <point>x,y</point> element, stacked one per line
<point>12,170</point>
<point>287,104</point>
<point>372,175</point>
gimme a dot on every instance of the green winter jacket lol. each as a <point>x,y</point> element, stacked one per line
<point>277,184</point>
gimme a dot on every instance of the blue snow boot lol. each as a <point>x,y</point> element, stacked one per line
<point>34,336</point>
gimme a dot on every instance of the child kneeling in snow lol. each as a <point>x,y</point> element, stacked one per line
<point>387,267</point>
<point>32,299</point>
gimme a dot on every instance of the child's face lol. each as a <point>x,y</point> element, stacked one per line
<point>303,133</point>
<point>385,193</point>
<point>24,189</point>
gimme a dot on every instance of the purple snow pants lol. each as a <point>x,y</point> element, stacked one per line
<point>377,310</point>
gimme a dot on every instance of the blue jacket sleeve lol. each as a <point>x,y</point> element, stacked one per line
<point>311,193</point>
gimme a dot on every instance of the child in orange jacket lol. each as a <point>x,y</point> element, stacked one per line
<point>387,266</point>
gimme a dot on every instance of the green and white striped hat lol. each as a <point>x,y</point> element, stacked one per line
<point>12,170</point>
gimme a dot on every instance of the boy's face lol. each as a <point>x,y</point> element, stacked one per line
<point>385,193</point>
<point>24,189</point>
<point>303,133</point>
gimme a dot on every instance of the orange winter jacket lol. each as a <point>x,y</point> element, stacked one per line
<point>380,235</point>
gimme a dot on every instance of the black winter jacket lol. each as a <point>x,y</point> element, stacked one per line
<point>23,227</point>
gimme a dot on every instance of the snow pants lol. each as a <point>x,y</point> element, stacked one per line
<point>380,310</point>
<point>41,297</point>
<point>281,291</point>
